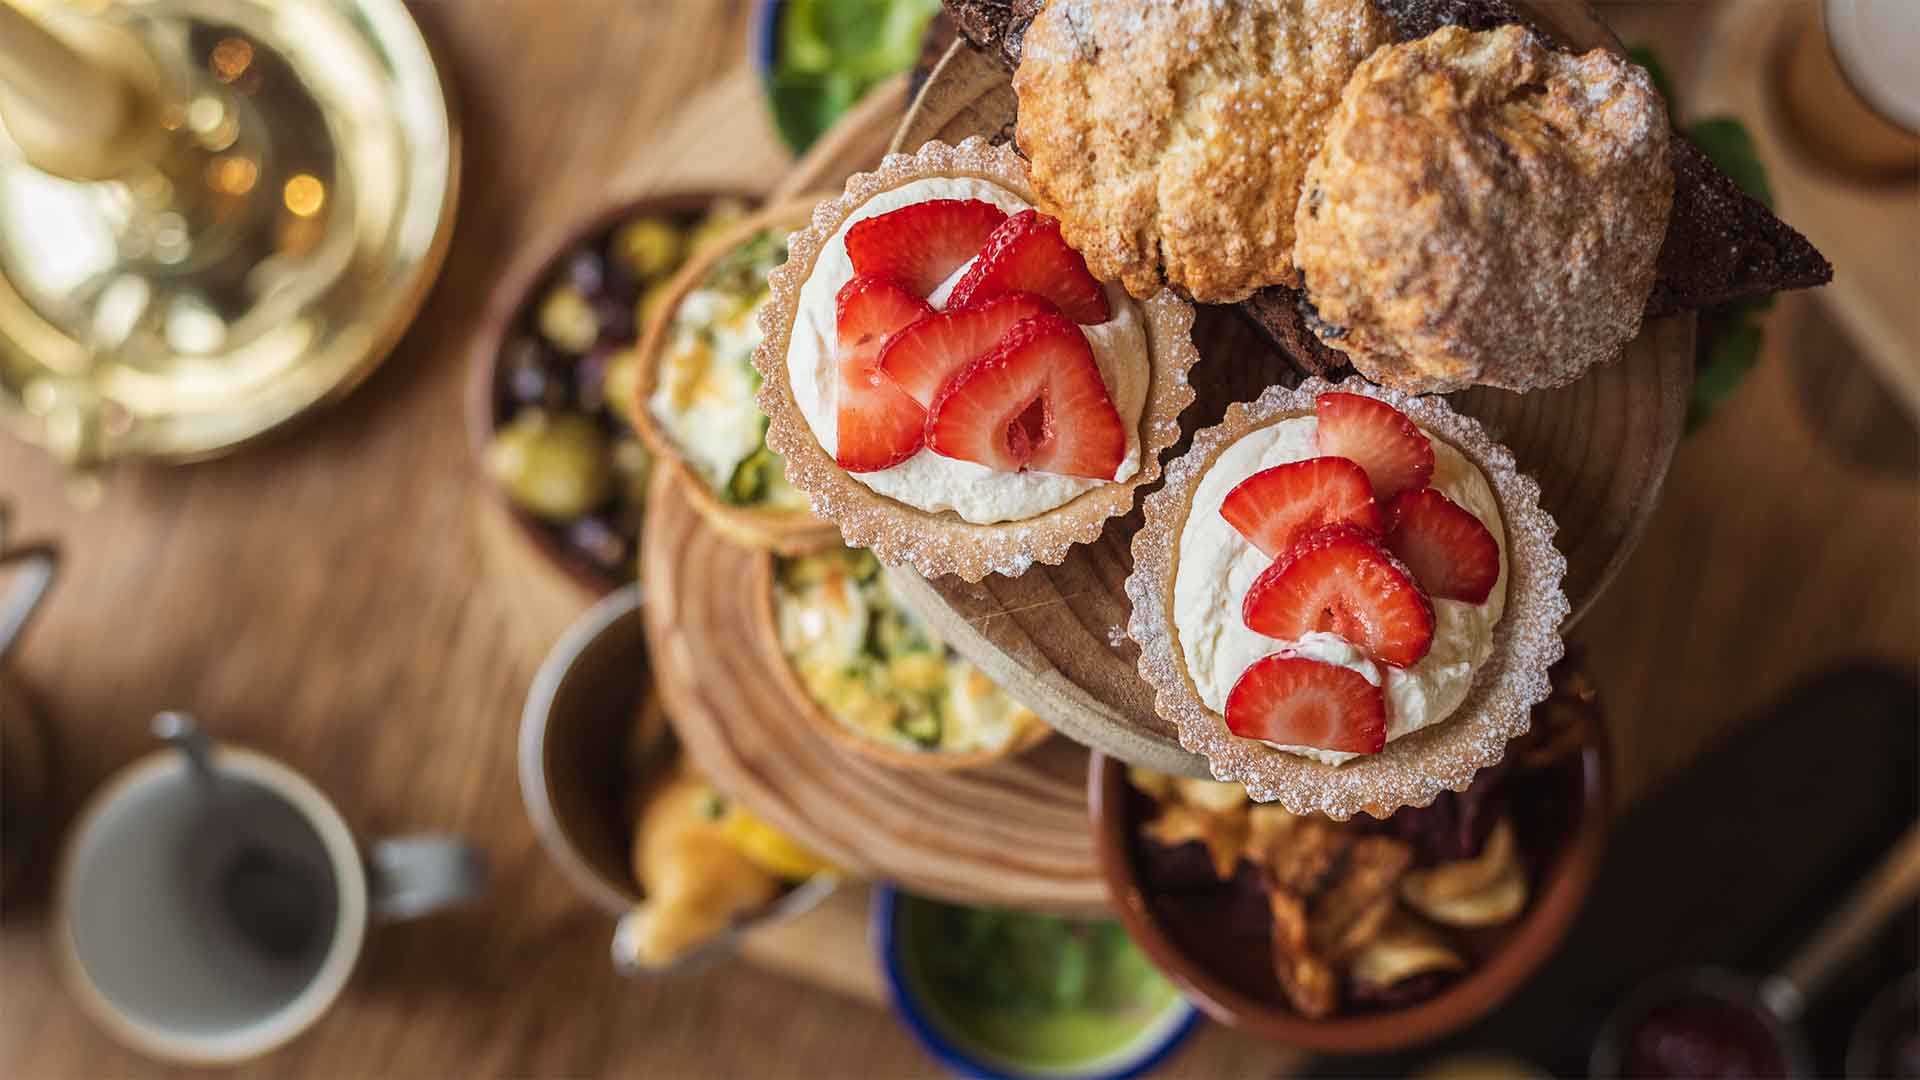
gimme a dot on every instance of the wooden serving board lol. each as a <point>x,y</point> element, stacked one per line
<point>1013,834</point>
<point>1054,636</point>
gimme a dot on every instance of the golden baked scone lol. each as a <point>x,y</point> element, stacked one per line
<point>1486,210</point>
<point>1170,139</point>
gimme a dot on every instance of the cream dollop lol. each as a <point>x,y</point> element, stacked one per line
<point>1216,565</point>
<point>927,481</point>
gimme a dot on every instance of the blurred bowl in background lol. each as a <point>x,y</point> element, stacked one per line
<point>755,525</point>
<point>580,766</point>
<point>818,58</point>
<point>1700,1018</point>
<point>586,454</point>
<point>1561,822</point>
<point>763,37</point>
<point>1101,1051</point>
<point>844,733</point>
<point>1886,1040</point>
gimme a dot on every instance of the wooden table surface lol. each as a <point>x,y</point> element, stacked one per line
<point>338,597</point>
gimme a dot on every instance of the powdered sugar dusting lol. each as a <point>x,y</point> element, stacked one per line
<point>941,543</point>
<point>1487,210</point>
<point>1411,771</point>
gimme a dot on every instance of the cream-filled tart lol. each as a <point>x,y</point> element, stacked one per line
<point>946,380</point>
<point>1346,598</point>
<point>879,680</point>
<point>694,402</point>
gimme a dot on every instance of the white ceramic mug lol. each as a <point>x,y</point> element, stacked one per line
<point>211,921</point>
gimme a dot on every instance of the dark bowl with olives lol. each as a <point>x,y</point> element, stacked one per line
<point>553,377</point>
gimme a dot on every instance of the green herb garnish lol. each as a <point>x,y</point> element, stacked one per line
<point>1731,335</point>
<point>752,478</point>
<point>1032,963</point>
<point>830,52</point>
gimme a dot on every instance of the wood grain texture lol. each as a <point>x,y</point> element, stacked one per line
<point>1013,833</point>
<point>1599,449</point>
<point>345,596</point>
<point>1870,230</point>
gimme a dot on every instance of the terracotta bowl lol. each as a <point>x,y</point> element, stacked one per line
<point>576,763</point>
<point>506,310</point>
<point>784,531</point>
<point>1560,813</point>
<point>768,625</point>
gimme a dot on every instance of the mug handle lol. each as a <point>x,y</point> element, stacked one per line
<point>421,873</point>
<point>22,598</point>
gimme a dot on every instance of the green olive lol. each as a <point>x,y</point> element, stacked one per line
<point>633,463</point>
<point>553,465</point>
<point>651,247</point>
<point>651,300</point>
<point>720,218</point>
<point>620,386</point>
<point>566,319</point>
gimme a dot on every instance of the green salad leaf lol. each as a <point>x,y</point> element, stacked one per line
<point>1729,357</point>
<point>1032,963</point>
<point>1728,145</point>
<point>1731,335</point>
<point>1642,55</point>
<point>830,52</point>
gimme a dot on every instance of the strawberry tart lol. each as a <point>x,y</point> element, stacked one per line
<point>1347,599</point>
<point>947,381</point>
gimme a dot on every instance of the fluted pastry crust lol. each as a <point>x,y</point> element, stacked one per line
<point>942,542</point>
<point>1413,769</point>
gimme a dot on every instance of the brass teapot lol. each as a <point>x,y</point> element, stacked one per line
<point>213,215</point>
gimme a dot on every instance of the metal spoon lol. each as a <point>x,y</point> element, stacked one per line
<point>183,732</point>
<point>271,898</point>
<point>1778,1001</point>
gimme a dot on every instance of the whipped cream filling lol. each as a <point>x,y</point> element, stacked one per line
<point>1216,565</point>
<point>928,481</point>
<point>704,397</point>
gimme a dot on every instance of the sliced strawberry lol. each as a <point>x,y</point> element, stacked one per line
<point>921,244</point>
<point>1036,402</point>
<point>1339,580</point>
<point>1274,507</point>
<point>1451,554</point>
<point>924,357</point>
<point>879,425</point>
<point>1296,701</point>
<point>1379,438</point>
<point>1026,254</point>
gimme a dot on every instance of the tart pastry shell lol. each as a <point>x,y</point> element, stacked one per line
<point>1411,770</point>
<point>943,543</point>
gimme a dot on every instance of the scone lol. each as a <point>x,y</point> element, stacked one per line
<point>1486,210</point>
<point>948,383</point>
<point>1171,139</point>
<point>1346,599</point>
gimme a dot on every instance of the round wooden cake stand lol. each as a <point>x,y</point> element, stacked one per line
<point>1011,834</point>
<point>1054,636</point>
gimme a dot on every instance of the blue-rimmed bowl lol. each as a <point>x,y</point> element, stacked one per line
<point>763,37</point>
<point>964,1056</point>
